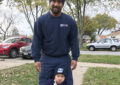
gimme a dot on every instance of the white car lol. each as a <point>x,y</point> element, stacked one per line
<point>108,43</point>
<point>25,51</point>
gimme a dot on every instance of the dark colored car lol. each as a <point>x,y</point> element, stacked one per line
<point>12,45</point>
<point>25,51</point>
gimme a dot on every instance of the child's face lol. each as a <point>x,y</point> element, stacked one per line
<point>59,78</point>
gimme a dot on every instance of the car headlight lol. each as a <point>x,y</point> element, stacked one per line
<point>5,46</point>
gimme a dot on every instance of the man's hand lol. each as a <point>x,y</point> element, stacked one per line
<point>38,66</point>
<point>73,64</point>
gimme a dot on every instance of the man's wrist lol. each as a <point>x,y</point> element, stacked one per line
<point>75,58</point>
<point>36,60</point>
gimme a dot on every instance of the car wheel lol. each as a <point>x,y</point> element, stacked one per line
<point>91,48</point>
<point>113,48</point>
<point>23,57</point>
<point>13,53</point>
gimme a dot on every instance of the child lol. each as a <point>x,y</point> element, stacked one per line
<point>58,78</point>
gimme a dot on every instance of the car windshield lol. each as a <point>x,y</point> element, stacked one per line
<point>115,40</point>
<point>11,40</point>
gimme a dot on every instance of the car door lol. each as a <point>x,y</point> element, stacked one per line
<point>107,43</point>
<point>100,43</point>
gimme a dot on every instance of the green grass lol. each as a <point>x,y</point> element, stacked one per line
<point>21,75</point>
<point>107,59</point>
<point>84,47</point>
<point>102,76</point>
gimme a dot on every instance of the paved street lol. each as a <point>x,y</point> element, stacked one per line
<point>100,52</point>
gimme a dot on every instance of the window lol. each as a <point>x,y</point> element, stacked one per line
<point>26,40</point>
<point>115,40</point>
<point>11,40</point>
<point>101,41</point>
<point>108,41</point>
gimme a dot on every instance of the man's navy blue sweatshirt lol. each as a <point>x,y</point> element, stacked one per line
<point>55,36</point>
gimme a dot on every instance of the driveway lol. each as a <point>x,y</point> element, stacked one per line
<point>8,63</point>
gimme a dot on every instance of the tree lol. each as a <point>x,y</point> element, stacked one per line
<point>15,32</point>
<point>1,1</point>
<point>104,22</point>
<point>6,24</point>
<point>77,10</point>
<point>31,9</point>
<point>90,26</point>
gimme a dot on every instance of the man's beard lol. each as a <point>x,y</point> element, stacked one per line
<point>58,11</point>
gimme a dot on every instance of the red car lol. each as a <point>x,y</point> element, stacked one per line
<point>12,45</point>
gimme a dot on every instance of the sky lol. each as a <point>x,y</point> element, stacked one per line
<point>20,21</point>
<point>24,28</point>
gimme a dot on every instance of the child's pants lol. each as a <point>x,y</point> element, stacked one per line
<point>48,65</point>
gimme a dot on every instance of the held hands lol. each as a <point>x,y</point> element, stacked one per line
<point>37,66</point>
<point>73,64</point>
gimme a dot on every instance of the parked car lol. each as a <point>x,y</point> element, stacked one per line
<point>12,45</point>
<point>25,51</point>
<point>107,43</point>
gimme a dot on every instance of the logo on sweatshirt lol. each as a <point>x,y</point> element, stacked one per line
<point>63,25</point>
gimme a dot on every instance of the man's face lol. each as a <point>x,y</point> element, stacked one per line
<point>59,78</point>
<point>56,6</point>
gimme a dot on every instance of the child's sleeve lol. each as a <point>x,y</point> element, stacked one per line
<point>48,82</point>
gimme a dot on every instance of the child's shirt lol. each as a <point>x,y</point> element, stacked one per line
<point>51,82</point>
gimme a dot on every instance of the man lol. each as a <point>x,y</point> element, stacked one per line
<point>55,34</point>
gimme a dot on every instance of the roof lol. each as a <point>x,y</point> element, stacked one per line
<point>115,33</point>
<point>86,37</point>
<point>102,36</point>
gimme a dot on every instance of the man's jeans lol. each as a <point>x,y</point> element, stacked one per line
<point>48,65</point>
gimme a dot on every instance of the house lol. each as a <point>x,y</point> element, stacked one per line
<point>114,34</point>
<point>98,37</point>
<point>86,38</point>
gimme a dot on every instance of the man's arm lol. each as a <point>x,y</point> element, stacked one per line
<point>74,45</point>
<point>36,44</point>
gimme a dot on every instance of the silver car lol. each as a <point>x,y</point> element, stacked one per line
<point>25,51</point>
<point>108,43</point>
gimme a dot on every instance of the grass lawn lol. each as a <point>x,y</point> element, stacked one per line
<point>84,47</point>
<point>102,76</point>
<point>107,59</point>
<point>21,75</point>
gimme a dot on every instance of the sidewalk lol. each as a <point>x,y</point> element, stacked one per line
<point>82,68</point>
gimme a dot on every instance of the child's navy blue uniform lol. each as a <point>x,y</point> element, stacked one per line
<point>51,82</point>
<point>55,37</point>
